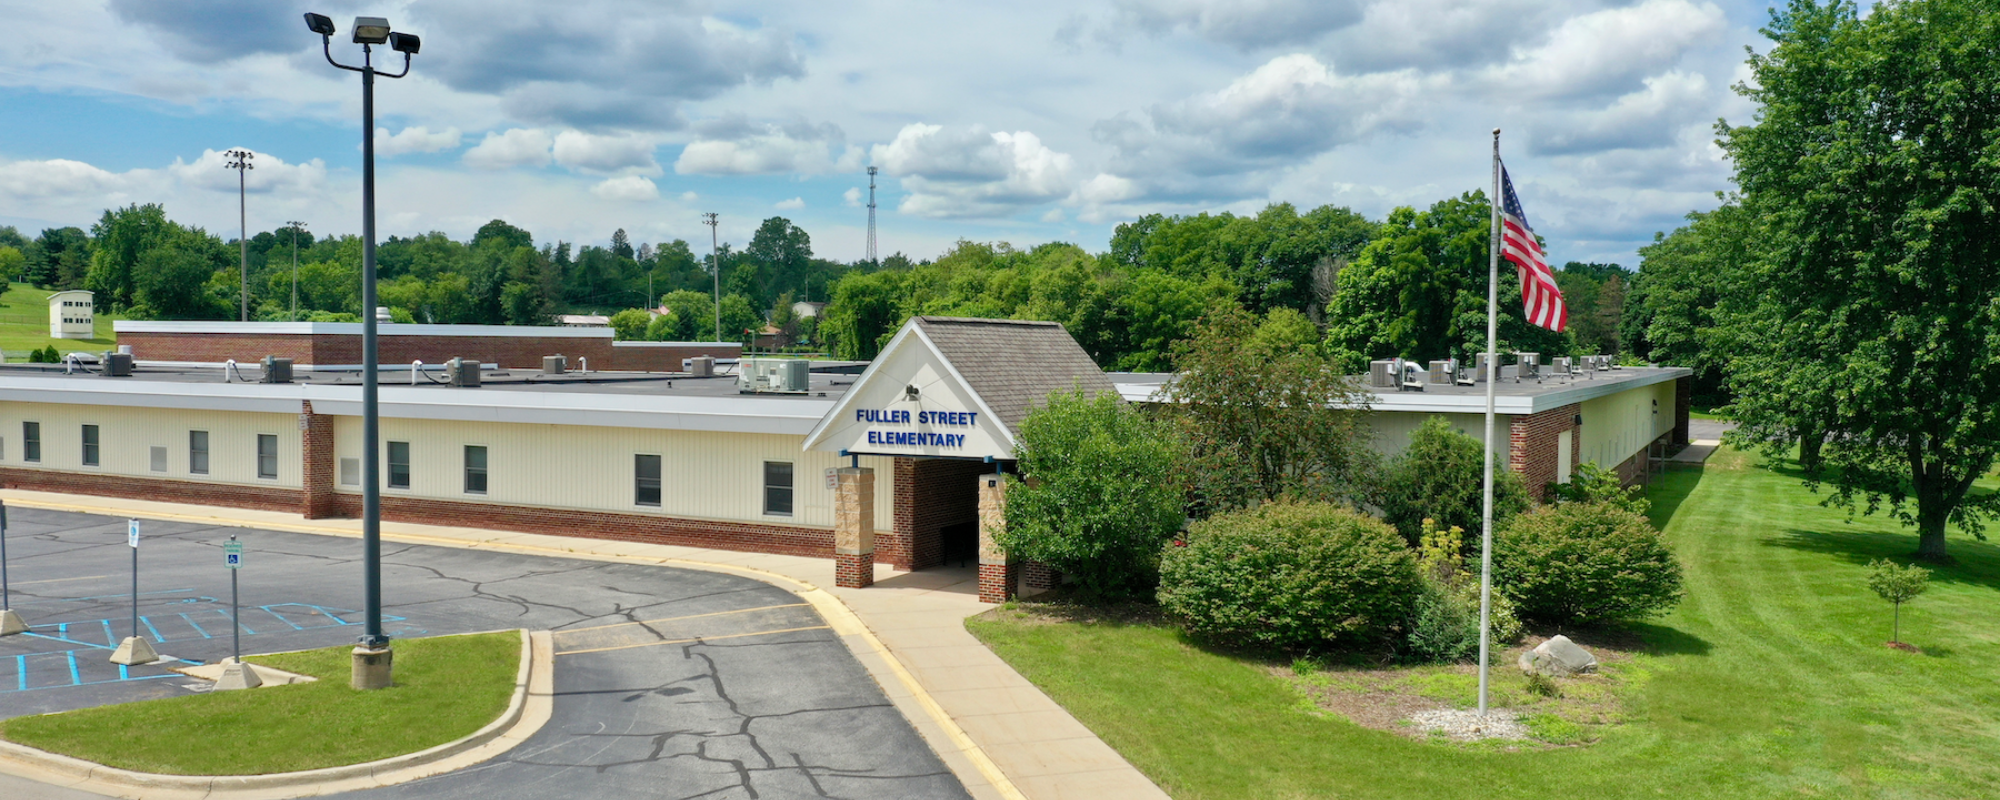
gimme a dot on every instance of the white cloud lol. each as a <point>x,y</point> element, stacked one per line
<point>787,205</point>
<point>852,196</point>
<point>735,146</point>
<point>1244,24</point>
<point>267,173</point>
<point>623,153</point>
<point>973,172</point>
<point>519,147</point>
<point>416,139</point>
<point>631,188</point>
<point>1609,48</point>
<point>54,178</point>
<point>1650,117</point>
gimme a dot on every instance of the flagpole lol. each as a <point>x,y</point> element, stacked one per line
<point>1486,451</point>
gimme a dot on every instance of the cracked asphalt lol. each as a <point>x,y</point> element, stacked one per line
<point>669,683</point>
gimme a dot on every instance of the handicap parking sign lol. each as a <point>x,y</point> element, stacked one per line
<point>233,554</point>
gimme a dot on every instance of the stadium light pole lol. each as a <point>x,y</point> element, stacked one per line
<point>373,659</point>
<point>296,225</point>
<point>239,160</point>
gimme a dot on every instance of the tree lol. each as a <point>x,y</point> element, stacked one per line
<point>1899,585</point>
<point>621,244</point>
<point>785,319</point>
<point>1670,317</point>
<point>13,264</point>
<point>692,318</point>
<point>120,237</point>
<point>499,233</point>
<point>1101,500</point>
<point>1265,422</point>
<point>1871,315</point>
<point>630,325</point>
<point>781,254</point>
<point>1439,477</point>
<point>173,282</point>
<point>740,320</point>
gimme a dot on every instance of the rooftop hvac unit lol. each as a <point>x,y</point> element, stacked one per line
<point>699,366</point>
<point>554,365</point>
<point>1560,365</point>
<point>774,375</point>
<point>463,372</point>
<point>1382,373</point>
<point>1483,370</point>
<point>1412,376</point>
<point>1441,373</point>
<point>115,365</point>
<point>1528,365</point>
<point>277,370</point>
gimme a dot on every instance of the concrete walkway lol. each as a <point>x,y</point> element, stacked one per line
<point>999,734</point>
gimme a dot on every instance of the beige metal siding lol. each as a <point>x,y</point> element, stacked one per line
<point>1621,425</point>
<point>127,435</point>
<point>1392,429</point>
<point>703,475</point>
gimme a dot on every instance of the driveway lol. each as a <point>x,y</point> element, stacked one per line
<point>669,683</point>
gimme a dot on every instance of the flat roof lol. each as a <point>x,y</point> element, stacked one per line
<point>1511,395</point>
<point>354,329</point>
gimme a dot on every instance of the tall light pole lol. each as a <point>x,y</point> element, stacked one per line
<point>372,658</point>
<point>239,160</point>
<point>715,259</point>
<point>296,225</point>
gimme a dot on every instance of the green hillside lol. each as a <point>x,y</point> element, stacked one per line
<point>24,325</point>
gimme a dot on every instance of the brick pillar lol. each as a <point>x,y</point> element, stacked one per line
<point>1683,404</point>
<point>854,527</point>
<point>317,473</point>
<point>998,576</point>
<point>1531,445</point>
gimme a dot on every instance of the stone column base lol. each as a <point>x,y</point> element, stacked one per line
<point>372,668</point>
<point>998,582</point>
<point>853,571</point>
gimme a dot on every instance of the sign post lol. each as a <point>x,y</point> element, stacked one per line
<point>235,674</point>
<point>10,622</point>
<point>135,649</point>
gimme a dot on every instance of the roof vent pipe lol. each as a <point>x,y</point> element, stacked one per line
<point>416,367</point>
<point>382,314</point>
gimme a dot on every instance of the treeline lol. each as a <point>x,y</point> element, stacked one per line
<point>1412,285</point>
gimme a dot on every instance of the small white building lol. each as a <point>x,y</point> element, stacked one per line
<point>72,315</point>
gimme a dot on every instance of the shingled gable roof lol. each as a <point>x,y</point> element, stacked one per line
<point>1014,365</point>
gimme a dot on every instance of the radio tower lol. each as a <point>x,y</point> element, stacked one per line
<point>871,218</point>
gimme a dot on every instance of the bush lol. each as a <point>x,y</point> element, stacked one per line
<point>1591,483</point>
<point>1101,500</point>
<point>1585,562</point>
<point>1445,627</point>
<point>1298,576</point>
<point>1439,477</point>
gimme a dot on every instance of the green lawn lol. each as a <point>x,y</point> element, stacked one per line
<point>24,325</point>
<point>446,688</point>
<point>1770,680</point>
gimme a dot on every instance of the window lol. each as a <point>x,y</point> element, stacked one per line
<point>646,480</point>
<point>90,448</point>
<point>399,465</point>
<point>475,469</point>
<point>350,472</point>
<point>198,452</point>
<point>778,488</point>
<point>31,442</point>
<point>267,456</point>
<point>159,459</point>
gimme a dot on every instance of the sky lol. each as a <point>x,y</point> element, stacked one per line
<point>1024,121</point>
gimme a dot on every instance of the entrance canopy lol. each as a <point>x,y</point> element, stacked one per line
<point>949,387</point>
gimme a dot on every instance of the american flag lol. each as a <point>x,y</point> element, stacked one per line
<point>1539,293</point>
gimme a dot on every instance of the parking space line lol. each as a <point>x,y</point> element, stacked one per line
<point>197,626</point>
<point>60,580</point>
<point>21,666</point>
<point>695,639</point>
<point>74,678</point>
<point>156,631</point>
<point>673,619</point>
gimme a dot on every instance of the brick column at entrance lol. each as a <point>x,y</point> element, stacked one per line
<point>317,498</point>
<point>1531,445</point>
<point>854,527</point>
<point>998,577</point>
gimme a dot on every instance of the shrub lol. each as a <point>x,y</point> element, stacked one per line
<point>1439,478</point>
<point>1899,585</point>
<point>1101,501</point>
<point>1594,484</point>
<point>1445,626</point>
<point>1290,575</point>
<point>1585,562</point>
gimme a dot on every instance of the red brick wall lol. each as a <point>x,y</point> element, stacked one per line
<point>654,358</point>
<point>931,494</point>
<point>267,498</point>
<point>1683,403</point>
<point>318,476</point>
<point>742,536</point>
<point>1532,440</point>
<point>513,352</point>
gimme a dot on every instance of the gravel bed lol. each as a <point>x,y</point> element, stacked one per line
<point>1467,726</point>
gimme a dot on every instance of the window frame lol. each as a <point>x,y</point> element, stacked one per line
<point>31,441</point>
<point>484,470</point>
<point>639,481</point>
<point>261,439</point>
<point>201,466</point>
<point>389,466</point>
<point>93,445</point>
<point>789,488</point>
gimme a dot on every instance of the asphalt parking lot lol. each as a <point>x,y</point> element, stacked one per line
<point>670,683</point>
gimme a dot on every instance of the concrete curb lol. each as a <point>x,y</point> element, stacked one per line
<point>527,711</point>
<point>844,621</point>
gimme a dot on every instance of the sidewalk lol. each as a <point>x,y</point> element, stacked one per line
<point>1000,735</point>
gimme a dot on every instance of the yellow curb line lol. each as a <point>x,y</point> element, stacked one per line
<point>841,618</point>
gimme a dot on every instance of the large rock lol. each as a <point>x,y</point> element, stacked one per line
<point>1558,657</point>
